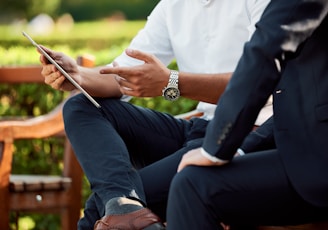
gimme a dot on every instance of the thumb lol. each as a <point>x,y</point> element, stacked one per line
<point>43,59</point>
<point>47,50</point>
<point>139,55</point>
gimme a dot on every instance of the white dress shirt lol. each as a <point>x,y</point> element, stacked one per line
<point>204,36</point>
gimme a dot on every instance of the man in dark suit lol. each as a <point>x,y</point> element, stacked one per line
<point>283,177</point>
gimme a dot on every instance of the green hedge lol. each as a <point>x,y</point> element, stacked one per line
<point>131,9</point>
<point>81,10</point>
<point>94,36</point>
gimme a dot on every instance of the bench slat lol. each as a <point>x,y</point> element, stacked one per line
<point>32,183</point>
<point>27,74</point>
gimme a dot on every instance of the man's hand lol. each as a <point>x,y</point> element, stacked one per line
<point>195,157</point>
<point>146,80</point>
<point>52,76</point>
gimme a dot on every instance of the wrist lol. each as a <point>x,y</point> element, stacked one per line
<point>211,157</point>
<point>171,92</point>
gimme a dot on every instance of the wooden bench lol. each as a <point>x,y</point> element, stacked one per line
<point>38,193</point>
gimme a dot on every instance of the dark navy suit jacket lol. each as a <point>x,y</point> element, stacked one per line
<point>287,57</point>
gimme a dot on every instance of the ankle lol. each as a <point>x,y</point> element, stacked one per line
<point>121,205</point>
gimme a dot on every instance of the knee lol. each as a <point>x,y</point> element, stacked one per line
<point>191,181</point>
<point>76,107</point>
<point>182,182</point>
<point>75,104</point>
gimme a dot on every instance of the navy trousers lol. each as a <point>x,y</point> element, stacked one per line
<point>126,150</point>
<point>251,190</point>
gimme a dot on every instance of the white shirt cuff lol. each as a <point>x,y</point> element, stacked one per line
<point>211,157</point>
<point>240,152</point>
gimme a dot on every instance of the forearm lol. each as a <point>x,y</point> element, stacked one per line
<point>149,79</point>
<point>99,85</point>
<point>203,87</point>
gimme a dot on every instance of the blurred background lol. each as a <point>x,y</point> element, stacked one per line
<point>101,28</point>
<point>76,25</point>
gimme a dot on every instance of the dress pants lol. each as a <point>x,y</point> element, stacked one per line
<point>125,150</point>
<point>249,191</point>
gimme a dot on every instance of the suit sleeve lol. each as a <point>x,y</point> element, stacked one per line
<point>260,139</point>
<point>283,27</point>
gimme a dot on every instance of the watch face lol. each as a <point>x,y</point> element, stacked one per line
<point>171,94</point>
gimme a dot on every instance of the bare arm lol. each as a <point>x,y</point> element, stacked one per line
<point>148,80</point>
<point>98,85</point>
<point>203,87</point>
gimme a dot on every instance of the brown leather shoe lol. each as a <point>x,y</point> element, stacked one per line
<point>137,220</point>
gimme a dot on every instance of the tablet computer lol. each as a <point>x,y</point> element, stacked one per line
<point>52,61</point>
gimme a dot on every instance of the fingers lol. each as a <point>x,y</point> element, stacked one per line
<point>125,86</point>
<point>128,71</point>
<point>47,50</point>
<point>56,56</point>
<point>185,160</point>
<point>58,83</point>
<point>181,166</point>
<point>55,81</point>
<point>139,55</point>
<point>43,59</point>
<point>53,78</point>
<point>48,69</point>
<point>121,71</point>
<point>190,158</point>
<point>224,226</point>
<point>195,157</point>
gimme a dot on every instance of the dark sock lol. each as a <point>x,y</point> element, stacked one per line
<point>121,205</point>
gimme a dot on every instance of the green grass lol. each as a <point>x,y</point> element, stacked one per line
<point>103,39</point>
<point>27,55</point>
<point>82,30</point>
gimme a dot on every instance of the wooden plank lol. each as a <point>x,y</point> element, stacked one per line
<point>28,183</point>
<point>42,202</point>
<point>21,74</point>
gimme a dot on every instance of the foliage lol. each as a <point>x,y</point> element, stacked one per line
<point>130,9</point>
<point>36,7</point>
<point>93,36</point>
<point>81,10</point>
<point>45,156</point>
<point>17,9</point>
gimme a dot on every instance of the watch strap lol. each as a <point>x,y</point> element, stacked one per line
<point>174,79</point>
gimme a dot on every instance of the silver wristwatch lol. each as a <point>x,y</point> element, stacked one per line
<point>171,92</point>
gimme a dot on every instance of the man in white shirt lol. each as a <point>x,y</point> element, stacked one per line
<point>206,39</point>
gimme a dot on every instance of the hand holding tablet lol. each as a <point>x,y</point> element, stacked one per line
<point>52,61</point>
